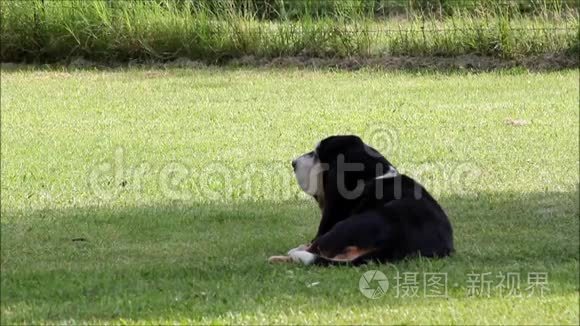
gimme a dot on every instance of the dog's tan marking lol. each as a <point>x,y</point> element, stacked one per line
<point>350,253</point>
<point>279,259</point>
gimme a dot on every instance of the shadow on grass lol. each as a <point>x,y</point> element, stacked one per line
<point>209,260</point>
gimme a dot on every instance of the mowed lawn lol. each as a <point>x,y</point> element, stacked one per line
<point>156,196</point>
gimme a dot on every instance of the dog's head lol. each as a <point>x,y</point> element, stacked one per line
<point>340,160</point>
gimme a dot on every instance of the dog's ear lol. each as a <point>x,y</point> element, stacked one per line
<point>351,160</point>
<point>336,150</point>
<point>372,158</point>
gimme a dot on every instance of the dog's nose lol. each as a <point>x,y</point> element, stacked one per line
<point>294,164</point>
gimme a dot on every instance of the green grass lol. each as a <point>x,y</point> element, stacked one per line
<point>122,31</point>
<point>200,192</point>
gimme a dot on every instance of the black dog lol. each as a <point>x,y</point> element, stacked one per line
<point>370,212</point>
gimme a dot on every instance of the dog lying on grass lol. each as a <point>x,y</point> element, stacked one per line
<point>370,212</point>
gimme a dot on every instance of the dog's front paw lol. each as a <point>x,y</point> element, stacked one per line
<point>302,256</point>
<point>299,248</point>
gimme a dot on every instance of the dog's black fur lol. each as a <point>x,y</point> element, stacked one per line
<point>394,217</point>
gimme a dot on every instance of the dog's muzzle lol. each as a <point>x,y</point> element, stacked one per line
<point>307,169</point>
